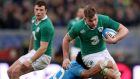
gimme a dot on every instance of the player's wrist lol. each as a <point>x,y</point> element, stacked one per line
<point>65,58</point>
<point>116,39</point>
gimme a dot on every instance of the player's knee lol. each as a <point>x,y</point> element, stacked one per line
<point>12,72</point>
<point>9,72</point>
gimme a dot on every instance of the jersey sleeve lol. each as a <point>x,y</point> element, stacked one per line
<point>73,32</point>
<point>110,23</point>
<point>69,26</point>
<point>46,34</point>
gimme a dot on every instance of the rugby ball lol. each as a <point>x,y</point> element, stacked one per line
<point>109,31</point>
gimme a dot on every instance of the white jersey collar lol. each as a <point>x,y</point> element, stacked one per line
<point>36,23</point>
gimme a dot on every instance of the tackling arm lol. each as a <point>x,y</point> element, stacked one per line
<point>91,72</point>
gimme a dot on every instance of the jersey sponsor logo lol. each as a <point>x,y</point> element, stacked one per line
<point>37,30</point>
<point>100,29</point>
<point>33,21</point>
<point>82,31</point>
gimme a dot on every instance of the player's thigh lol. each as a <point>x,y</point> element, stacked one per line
<point>92,59</point>
<point>27,56</point>
<point>41,63</point>
<point>109,57</point>
<point>18,68</point>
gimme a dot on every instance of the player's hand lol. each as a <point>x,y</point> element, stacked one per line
<point>110,40</point>
<point>66,63</point>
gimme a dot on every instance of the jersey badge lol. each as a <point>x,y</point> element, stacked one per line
<point>100,29</point>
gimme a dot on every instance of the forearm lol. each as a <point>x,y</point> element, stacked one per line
<point>91,72</point>
<point>65,51</point>
<point>66,42</point>
<point>38,53</point>
<point>122,32</point>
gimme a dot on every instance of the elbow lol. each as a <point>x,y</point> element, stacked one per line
<point>124,29</point>
<point>127,31</point>
<point>66,40</point>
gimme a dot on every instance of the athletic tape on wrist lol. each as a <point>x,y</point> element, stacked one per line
<point>104,71</point>
<point>118,74</point>
<point>103,65</point>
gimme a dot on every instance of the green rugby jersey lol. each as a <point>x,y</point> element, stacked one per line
<point>69,26</point>
<point>43,31</point>
<point>91,39</point>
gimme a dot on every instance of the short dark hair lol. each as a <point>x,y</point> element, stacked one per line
<point>41,3</point>
<point>89,11</point>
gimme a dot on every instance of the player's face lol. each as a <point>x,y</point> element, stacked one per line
<point>92,22</point>
<point>40,12</point>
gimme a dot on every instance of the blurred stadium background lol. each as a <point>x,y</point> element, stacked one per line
<point>15,30</point>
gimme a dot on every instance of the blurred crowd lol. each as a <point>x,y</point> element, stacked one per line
<point>16,14</point>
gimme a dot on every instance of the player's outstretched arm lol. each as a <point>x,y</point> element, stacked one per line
<point>66,42</point>
<point>91,72</point>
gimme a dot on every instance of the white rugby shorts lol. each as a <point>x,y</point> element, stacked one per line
<point>40,63</point>
<point>92,59</point>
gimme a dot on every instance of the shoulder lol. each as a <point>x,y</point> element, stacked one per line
<point>102,17</point>
<point>47,24</point>
<point>33,19</point>
<point>71,23</point>
<point>79,24</point>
